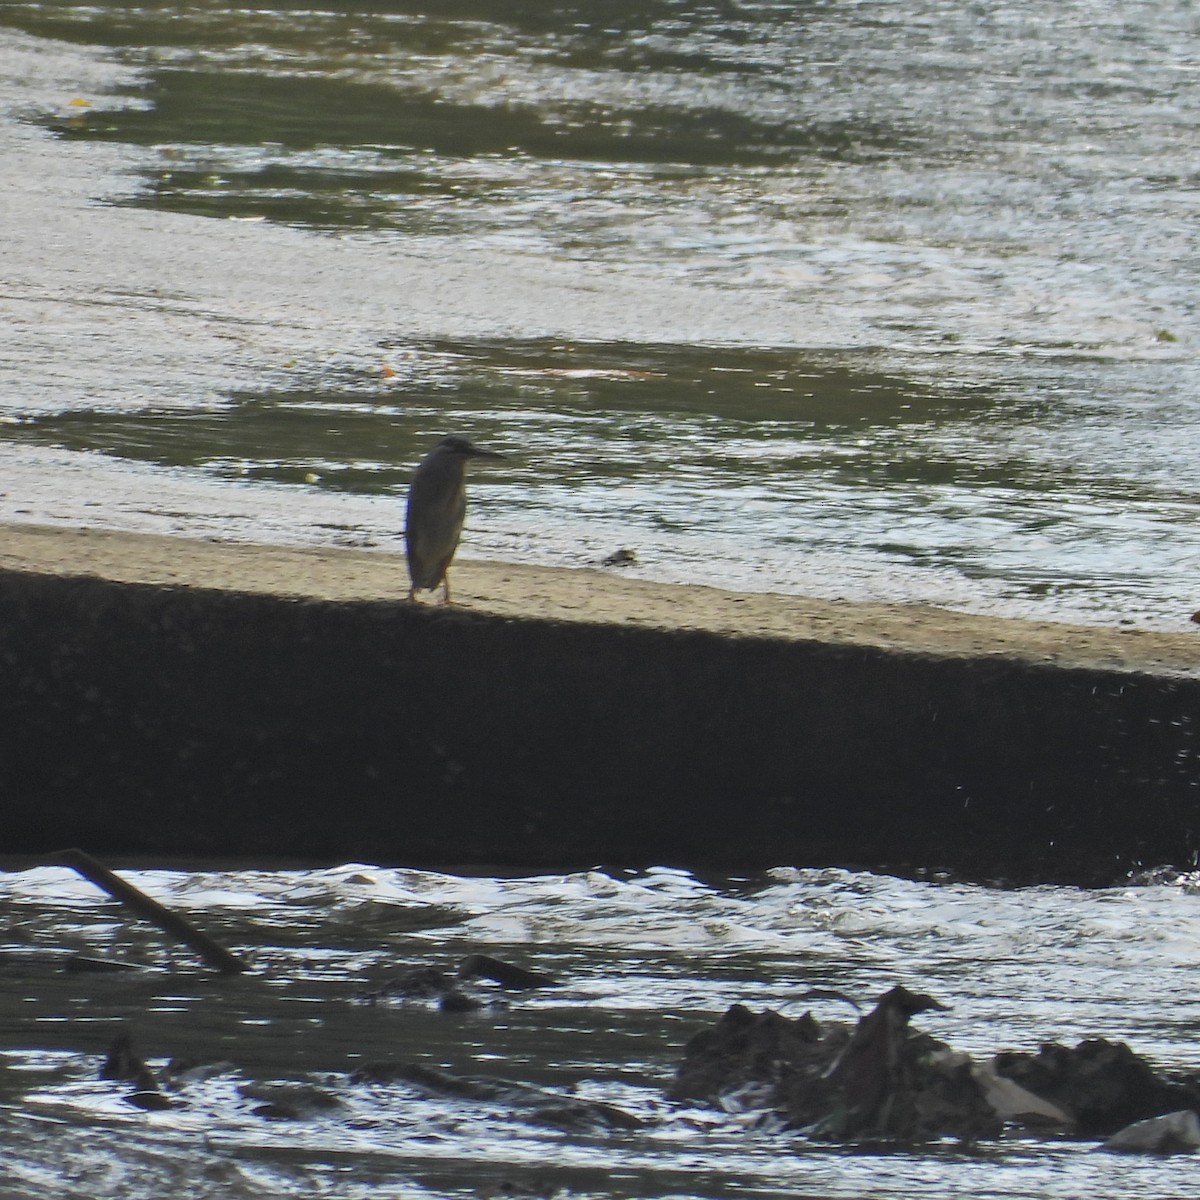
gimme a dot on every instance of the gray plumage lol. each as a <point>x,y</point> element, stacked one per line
<point>437,507</point>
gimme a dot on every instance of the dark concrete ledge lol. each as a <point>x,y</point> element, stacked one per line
<point>145,718</point>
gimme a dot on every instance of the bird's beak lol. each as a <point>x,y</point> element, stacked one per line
<point>477,453</point>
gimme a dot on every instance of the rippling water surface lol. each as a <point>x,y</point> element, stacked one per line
<point>646,960</point>
<point>889,300</point>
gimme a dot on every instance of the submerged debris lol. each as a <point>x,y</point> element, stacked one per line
<point>876,1079</point>
<point>537,1105</point>
<point>86,964</point>
<point>169,921</point>
<point>507,975</point>
<point>125,1064</point>
<point>424,983</point>
<point>151,1101</point>
<point>429,983</point>
<point>1103,1085</point>
<point>454,1001</point>
<point>879,1079</point>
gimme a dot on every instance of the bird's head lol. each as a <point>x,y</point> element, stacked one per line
<point>460,447</point>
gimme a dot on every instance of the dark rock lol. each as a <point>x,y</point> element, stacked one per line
<point>580,1116</point>
<point>124,1063</point>
<point>289,1101</point>
<point>754,1048</point>
<point>484,966</point>
<point>151,1101</point>
<point>1103,1085</point>
<point>454,1001</point>
<point>877,1080</point>
<point>888,1082</point>
<point>424,983</point>
<point>870,1069</point>
<point>1172,1133</point>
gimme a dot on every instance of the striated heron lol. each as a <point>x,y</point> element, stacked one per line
<point>437,507</point>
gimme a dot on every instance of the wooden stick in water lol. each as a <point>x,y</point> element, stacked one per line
<point>170,922</point>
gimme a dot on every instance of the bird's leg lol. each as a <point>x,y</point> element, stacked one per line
<point>412,595</point>
<point>446,589</point>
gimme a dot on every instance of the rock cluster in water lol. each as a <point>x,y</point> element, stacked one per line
<point>880,1079</point>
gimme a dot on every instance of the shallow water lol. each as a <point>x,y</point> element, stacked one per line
<point>886,301</point>
<point>646,959</point>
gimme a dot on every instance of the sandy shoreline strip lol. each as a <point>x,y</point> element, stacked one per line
<point>517,591</point>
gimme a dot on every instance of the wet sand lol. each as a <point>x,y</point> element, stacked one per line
<point>598,597</point>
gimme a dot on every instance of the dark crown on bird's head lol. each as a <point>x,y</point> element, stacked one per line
<point>462,446</point>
